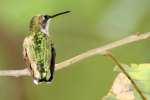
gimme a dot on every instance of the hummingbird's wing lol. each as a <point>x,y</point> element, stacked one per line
<point>52,62</point>
<point>27,55</point>
<point>26,59</point>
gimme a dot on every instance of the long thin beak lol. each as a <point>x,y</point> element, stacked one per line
<point>59,14</point>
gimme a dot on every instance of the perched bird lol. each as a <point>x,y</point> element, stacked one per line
<point>38,49</point>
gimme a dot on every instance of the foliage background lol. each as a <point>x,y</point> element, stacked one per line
<point>91,24</point>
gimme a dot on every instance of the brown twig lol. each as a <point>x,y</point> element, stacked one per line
<point>100,50</point>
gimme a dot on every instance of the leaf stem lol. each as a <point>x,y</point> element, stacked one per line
<point>109,54</point>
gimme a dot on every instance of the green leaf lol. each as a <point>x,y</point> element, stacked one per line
<point>122,89</point>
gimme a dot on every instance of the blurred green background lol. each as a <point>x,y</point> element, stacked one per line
<point>91,24</point>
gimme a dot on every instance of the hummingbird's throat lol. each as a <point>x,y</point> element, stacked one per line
<point>45,28</point>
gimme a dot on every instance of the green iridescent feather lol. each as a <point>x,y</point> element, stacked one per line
<point>38,45</point>
<point>41,51</point>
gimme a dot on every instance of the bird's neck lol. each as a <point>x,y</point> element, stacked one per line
<point>45,30</point>
<point>40,29</point>
<point>45,27</point>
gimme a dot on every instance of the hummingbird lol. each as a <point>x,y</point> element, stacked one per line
<point>38,49</point>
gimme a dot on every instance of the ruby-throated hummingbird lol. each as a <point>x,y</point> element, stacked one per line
<point>38,49</point>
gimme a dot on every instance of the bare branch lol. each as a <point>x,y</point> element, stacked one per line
<point>100,50</point>
<point>15,73</point>
<point>103,49</point>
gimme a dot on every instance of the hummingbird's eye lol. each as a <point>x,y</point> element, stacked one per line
<point>46,17</point>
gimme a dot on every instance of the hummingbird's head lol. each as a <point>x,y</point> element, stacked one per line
<point>40,23</point>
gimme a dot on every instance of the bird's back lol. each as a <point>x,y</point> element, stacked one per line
<point>37,47</point>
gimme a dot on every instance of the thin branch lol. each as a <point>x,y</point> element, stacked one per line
<point>100,50</point>
<point>15,73</point>
<point>126,74</point>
